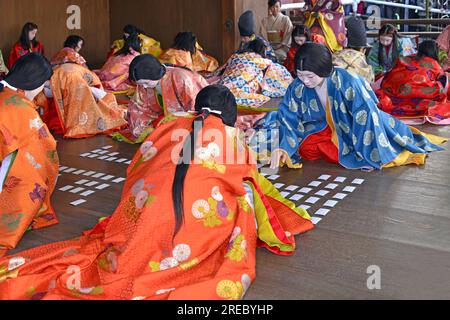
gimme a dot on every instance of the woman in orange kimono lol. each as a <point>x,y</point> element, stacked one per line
<point>28,158</point>
<point>27,43</point>
<point>416,89</point>
<point>114,74</point>
<point>77,106</point>
<point>187,53</point>
<point>161,91</point>
<point>198,243</point>
<point>70,52</point>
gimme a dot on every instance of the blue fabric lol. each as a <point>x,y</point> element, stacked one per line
<point>368,137</point>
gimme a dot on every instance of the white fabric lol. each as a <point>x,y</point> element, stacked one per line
<point>99,94</point>
<point>322,93</point>
<point>6,84</point>
<point>5,165</point>
<point>48,92</point>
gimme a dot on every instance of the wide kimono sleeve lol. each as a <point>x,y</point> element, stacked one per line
<point>283,129</point>
<point>373,59</point>
<point>276,81</point>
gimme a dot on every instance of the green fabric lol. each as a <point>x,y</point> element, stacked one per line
<point>373,57</point>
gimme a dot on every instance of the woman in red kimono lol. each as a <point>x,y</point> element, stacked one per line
<point>193,211</point>
<point>28,157</point>
<point>300,35</point>
<point>416,89</point>
<point>27,43</point>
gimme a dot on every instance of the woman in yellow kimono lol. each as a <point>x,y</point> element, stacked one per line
<point>148,45</point>
<point>161,91</point>
<point>28,157</point>
<point>187,53</point>
<point>114,74</point>
<point>326,18</point>
<point>187,227</point>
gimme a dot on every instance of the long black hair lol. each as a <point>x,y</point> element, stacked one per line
<point>29,72</point>
<point>255,46</point>
<point>72,41</point>
<point>315,58</point>
<point>131,30</point>
<point>24,40</point>
<point>215,98</point>
<point>388,30</point>
<point>428,48</point>
<point>132,42</point>
<point>186,41</point>
<point>300,31</point>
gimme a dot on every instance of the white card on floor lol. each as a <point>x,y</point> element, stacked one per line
<point>358,181</point>
<point>88,174</point>
<point>103,157</point>
<point>312,200</point>
<point>340,196</point>
<point>81,182</point>
<point>332,186</point>
<point>66,188</point>
<point>316,220</point>
<point>107,178</point>
<point>304,206</point>
<point>79,172</point>
<point>264,174</point>
<point>103,152</point>
<point>98,175</point>
<point>305,190</point>
<point>87,193</point>
<point>322,212</point>
<point>113,154</point>
<point>315,184</point>
<point>297,197</point>
<point>91,184</point>
<point>103,186</point>
<point>274,177</point>
<point>62,168</point>
<point>285,194</point>
<point>84,155</point>
<point>119,180</point>
<point>278,185</point>
<point>340,179</point>
<point>128,162</point>
<point>349,189</point>
<point>324,177</point>
<point>322,193</point>
<point>121,160</point>
<point>77,190</point>
<point>107,147</point>
<point>93,156</point>
<point>330,203</point>
<point>292,188</point>
<point>96,151</point>
<point>70,170</point>
<point>111,159</point>
<point>78,202</point>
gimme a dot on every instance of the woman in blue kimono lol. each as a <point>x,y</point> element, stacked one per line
<point>332,114</point>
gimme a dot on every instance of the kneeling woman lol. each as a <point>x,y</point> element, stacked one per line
<point>198,243</point>
<point>28,157</point>
<point>77,106</point>
<point>161,91</point>
<point>333,114</point>
<point>114,74</point>
<point>416,89</point>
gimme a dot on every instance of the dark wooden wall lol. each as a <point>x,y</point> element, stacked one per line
<point>162,20</point>
<point>51,17</point>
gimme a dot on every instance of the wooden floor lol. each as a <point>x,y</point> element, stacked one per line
<point>398,219</point>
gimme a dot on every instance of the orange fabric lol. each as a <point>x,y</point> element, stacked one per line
<point>79,113</point>
<point>18,51</point>
<point>25,199</point>
<point>134,254</point>
<point>320,146</point>
<point>68,55</point>
<point>179,58</point>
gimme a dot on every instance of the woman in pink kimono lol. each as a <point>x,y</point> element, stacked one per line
<point>114,74</point>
